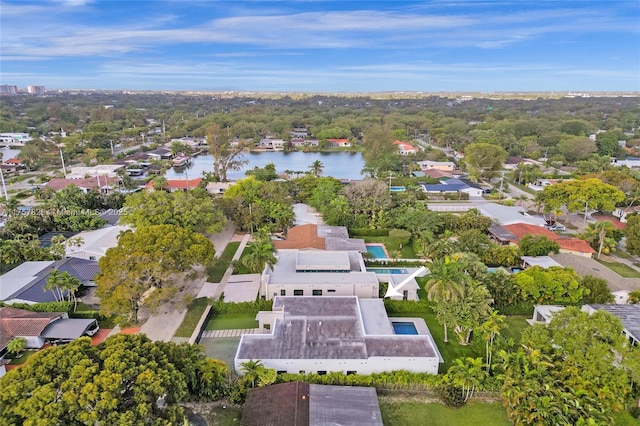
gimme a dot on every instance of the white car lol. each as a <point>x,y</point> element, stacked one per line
<point>93,329</point>
<point>556,227</point>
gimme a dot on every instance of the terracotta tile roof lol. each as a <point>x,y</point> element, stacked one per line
<point>284,404</point>
<point>19,322</point>
<point>520,230</point>
<point>88,183</point>
<point>13,161</point>
<point>301,237</point>
<point>613,220</point>
<point>437,174</point>
<point>574,244</point>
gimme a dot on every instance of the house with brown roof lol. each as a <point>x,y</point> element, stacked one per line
<point>99,183</point>
<point>339,143</point>
<point>304,404</point>
<point>177,184</point>
<point>405,148</point>
<point>320,237</point>
<point>15,323</point>
<point>568,245</point>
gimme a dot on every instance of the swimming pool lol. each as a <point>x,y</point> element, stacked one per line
<point>404,328</point>
<point>388,270</point>
<point>377,251</point>
<point>397,188</point>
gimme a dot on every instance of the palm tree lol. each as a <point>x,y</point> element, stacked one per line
<point>251,371</point>
<point>16,346</point>
<point>445,285</point>
<point>316,168</point>
<point>261,253</point>
<point>54,283</point>
<point>468,374</point>
<point>490,329</point>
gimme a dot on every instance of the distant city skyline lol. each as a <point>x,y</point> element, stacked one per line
<point>322,46</point>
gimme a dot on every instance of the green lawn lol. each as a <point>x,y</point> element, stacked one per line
<point>25,356</point>
<point>621,269</point>
<point>215,272</point>
<point>514,326</point>
<point>194,312</point>
<point>436,414</point>
<point>232,321</point>
<point>219,416</point>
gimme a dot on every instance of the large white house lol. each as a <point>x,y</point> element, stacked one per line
<point>340,334</point>
<point>319,273</point>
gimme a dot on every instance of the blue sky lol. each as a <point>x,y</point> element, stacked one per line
<point>322,46</point>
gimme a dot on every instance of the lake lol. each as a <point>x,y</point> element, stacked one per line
<point>341,165</point>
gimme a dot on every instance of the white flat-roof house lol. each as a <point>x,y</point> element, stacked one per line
<point>319,273</point>
<point>94,244</point>
<point>340,334</point>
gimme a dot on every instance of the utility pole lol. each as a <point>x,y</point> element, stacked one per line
<point>64,170</point>
<point>501,184</point>
<point>4,188</point>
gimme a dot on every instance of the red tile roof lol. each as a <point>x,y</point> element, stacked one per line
<point>13,161</point>
<point>19,322</point>
<point>520,230</point>
<point>301,237</point>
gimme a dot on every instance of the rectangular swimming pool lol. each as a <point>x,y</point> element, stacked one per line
<point>388,270</point>
<point>377,251</point>
<point>404,328</point>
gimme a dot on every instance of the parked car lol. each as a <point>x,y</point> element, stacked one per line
<point>556,227</point>
<point>93,329</point>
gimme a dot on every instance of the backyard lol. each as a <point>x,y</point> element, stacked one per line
<point>231,321</point>
<point>400,413</point>
<point>406,252</point>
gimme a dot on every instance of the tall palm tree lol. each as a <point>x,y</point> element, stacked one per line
<point>251,371</point>
<point>55,283</point>
<point>445,285</point>
<point>261,254</point>
<point>490,329</point>
<point>316,168</point>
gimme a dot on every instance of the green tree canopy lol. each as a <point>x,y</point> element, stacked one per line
<point>572,371</point>
<point>139,269</point>
<point>551,285</point>
<point>118,382</point>
<point>537,245</point>
<point>484,160</point>
<point>193,210</point>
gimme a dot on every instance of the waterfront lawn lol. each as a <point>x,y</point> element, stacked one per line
<point>232,321</point>
<point>216,272</point>
<point>435,414</point>
<point>621,269</point>
<point>194,312</point>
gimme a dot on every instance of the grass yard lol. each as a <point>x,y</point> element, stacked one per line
<point>621,269</point>
<point>215,272</point>
<point>220,415</point>
<point>232,321</point>
<point>194,312</point>
<point>514,326</point>
<point>222,348</point>
<point>436,414</point>
<point>450,350</point>
<point>25,356</point>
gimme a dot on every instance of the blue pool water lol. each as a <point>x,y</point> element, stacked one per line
<point>398,188</point>
<point>388,270</point>
<point>376,251</point>
<point>404,328</point>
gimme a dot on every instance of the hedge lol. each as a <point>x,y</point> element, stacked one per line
<point>392,380</point>
<point>43,307</point>
<point>365,232</point>
<point>222,307</point>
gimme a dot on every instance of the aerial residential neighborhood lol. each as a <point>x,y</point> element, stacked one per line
<point>428,271</point>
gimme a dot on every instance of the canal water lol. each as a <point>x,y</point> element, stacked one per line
<point>341,165</point>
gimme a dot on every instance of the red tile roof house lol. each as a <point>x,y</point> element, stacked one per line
<point>405,148</point>
<point>102,183</point>
<point>177,184</point>
<point>569,245</point>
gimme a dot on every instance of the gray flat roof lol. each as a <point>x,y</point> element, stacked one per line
<point>67,328</point>
<point>330,328</point>
<point>629,316</point>
<point>322,259</point>
<point>374,317</point>
<point>284,271</point>
<point>343,405</point>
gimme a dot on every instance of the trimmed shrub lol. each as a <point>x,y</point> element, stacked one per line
<point>365,232</point>
<point>451,395</point>
<point>43,307</point>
